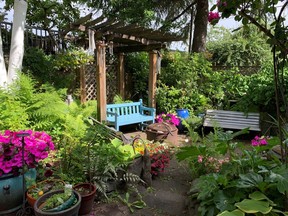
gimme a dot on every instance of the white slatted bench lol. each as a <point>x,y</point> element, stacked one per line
<point>232,120</point>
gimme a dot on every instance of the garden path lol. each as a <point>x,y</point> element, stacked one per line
<point>167,196</point>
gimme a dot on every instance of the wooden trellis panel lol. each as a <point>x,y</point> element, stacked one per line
<point>90,79</point>
<point>91,85</point>
<point>111,81</point>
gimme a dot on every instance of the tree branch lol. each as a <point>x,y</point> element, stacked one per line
<point>264,30</point>
<point>179,15</point>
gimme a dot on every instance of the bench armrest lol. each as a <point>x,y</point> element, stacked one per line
<point>112,113</point>
<point>149,109</point>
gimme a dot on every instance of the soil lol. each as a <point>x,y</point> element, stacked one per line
<point>167,195</point>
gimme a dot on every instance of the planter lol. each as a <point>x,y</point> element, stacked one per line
<point>11,191</point>
<point>162,132</point>
<point>87,192</point>
<point>50,185</point>
<point>183,114</point>
<point>71,211</point>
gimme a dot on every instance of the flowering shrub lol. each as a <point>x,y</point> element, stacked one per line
<point>211,164</point>
<point>159,155</point>
<point>169,118</point>
<point>212,16</point>
<point>37,146</point>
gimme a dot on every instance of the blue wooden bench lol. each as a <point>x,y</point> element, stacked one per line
<point>129,113</point>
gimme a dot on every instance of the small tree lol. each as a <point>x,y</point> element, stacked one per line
<point>17,45</point>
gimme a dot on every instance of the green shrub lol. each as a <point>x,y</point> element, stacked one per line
<point>137,66</point>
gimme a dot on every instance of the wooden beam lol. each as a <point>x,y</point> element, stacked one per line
<point>153,55</point>
<point>95,21</point>
<point>138,48</point>
<point>112,26</point>
<point>82,84</point>
<point>101,81</point>
<point>121,75</point>
<point>76,24</point>
<point>104,24</point>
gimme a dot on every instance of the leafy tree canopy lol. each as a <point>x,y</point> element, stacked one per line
<point>241,48</point>
<point>266,15</point>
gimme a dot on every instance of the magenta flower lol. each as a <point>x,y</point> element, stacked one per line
<point>169,118</point>
<point>213,16</point>
<point>259,141</point>
<point>37,146</point>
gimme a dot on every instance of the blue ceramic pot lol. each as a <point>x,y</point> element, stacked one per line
<point>11,191</point>
<point>183,114</point>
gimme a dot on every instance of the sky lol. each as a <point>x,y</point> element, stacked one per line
<point>229,23</point>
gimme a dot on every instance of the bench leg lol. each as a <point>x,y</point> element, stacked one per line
<point>141,126</point>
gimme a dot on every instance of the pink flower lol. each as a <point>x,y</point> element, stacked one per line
<point>200,158</point>
<point>37,146</point>
<point>258,141</point>
<point>170,118</point>
<point>220,3</point>
<point>213,16</point>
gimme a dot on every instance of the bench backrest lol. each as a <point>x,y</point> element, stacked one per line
<point>232,120</point>
<point>124,108</point>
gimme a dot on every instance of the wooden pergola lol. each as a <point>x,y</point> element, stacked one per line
<point>125,39</point>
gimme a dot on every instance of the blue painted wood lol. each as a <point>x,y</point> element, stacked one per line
<point>129,113</point>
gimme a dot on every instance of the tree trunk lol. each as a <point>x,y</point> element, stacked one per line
<point>17,39</point>
<point>3,71</point>
<point>200,26</point>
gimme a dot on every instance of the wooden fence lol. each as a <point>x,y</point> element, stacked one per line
<point>34,37</point>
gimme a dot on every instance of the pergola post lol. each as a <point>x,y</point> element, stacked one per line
<point>101,81</point>
<point>82,84</point>
<point>152,78</point>
<point>121,75</point>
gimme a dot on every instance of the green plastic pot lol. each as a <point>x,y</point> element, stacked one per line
<point>61,210</point>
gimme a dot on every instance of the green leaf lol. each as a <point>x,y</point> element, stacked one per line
<point>244,21</point>
<point>282,185</point>
<point>233,213</point>
<point>191,152</point>
<point>213,7</point>
<point>250,180</point>
<point>223,202</point>
<point>257,195</point>
<point>254,206</point>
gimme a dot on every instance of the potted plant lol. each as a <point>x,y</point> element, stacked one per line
<point>60,202</point>
<point>37,190</point>
<point>14,160</point>
<point>86,190</point>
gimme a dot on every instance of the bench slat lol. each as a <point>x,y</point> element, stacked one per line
<point>235,113</point>
<point>218,118</point>
<point>232,120</point>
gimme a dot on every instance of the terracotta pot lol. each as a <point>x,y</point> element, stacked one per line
<point>30,199</point>
<point>71,211</point>
<point>87,198</point>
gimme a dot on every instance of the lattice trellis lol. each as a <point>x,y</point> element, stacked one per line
<point>90,80</point>
<point>111,81</point>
